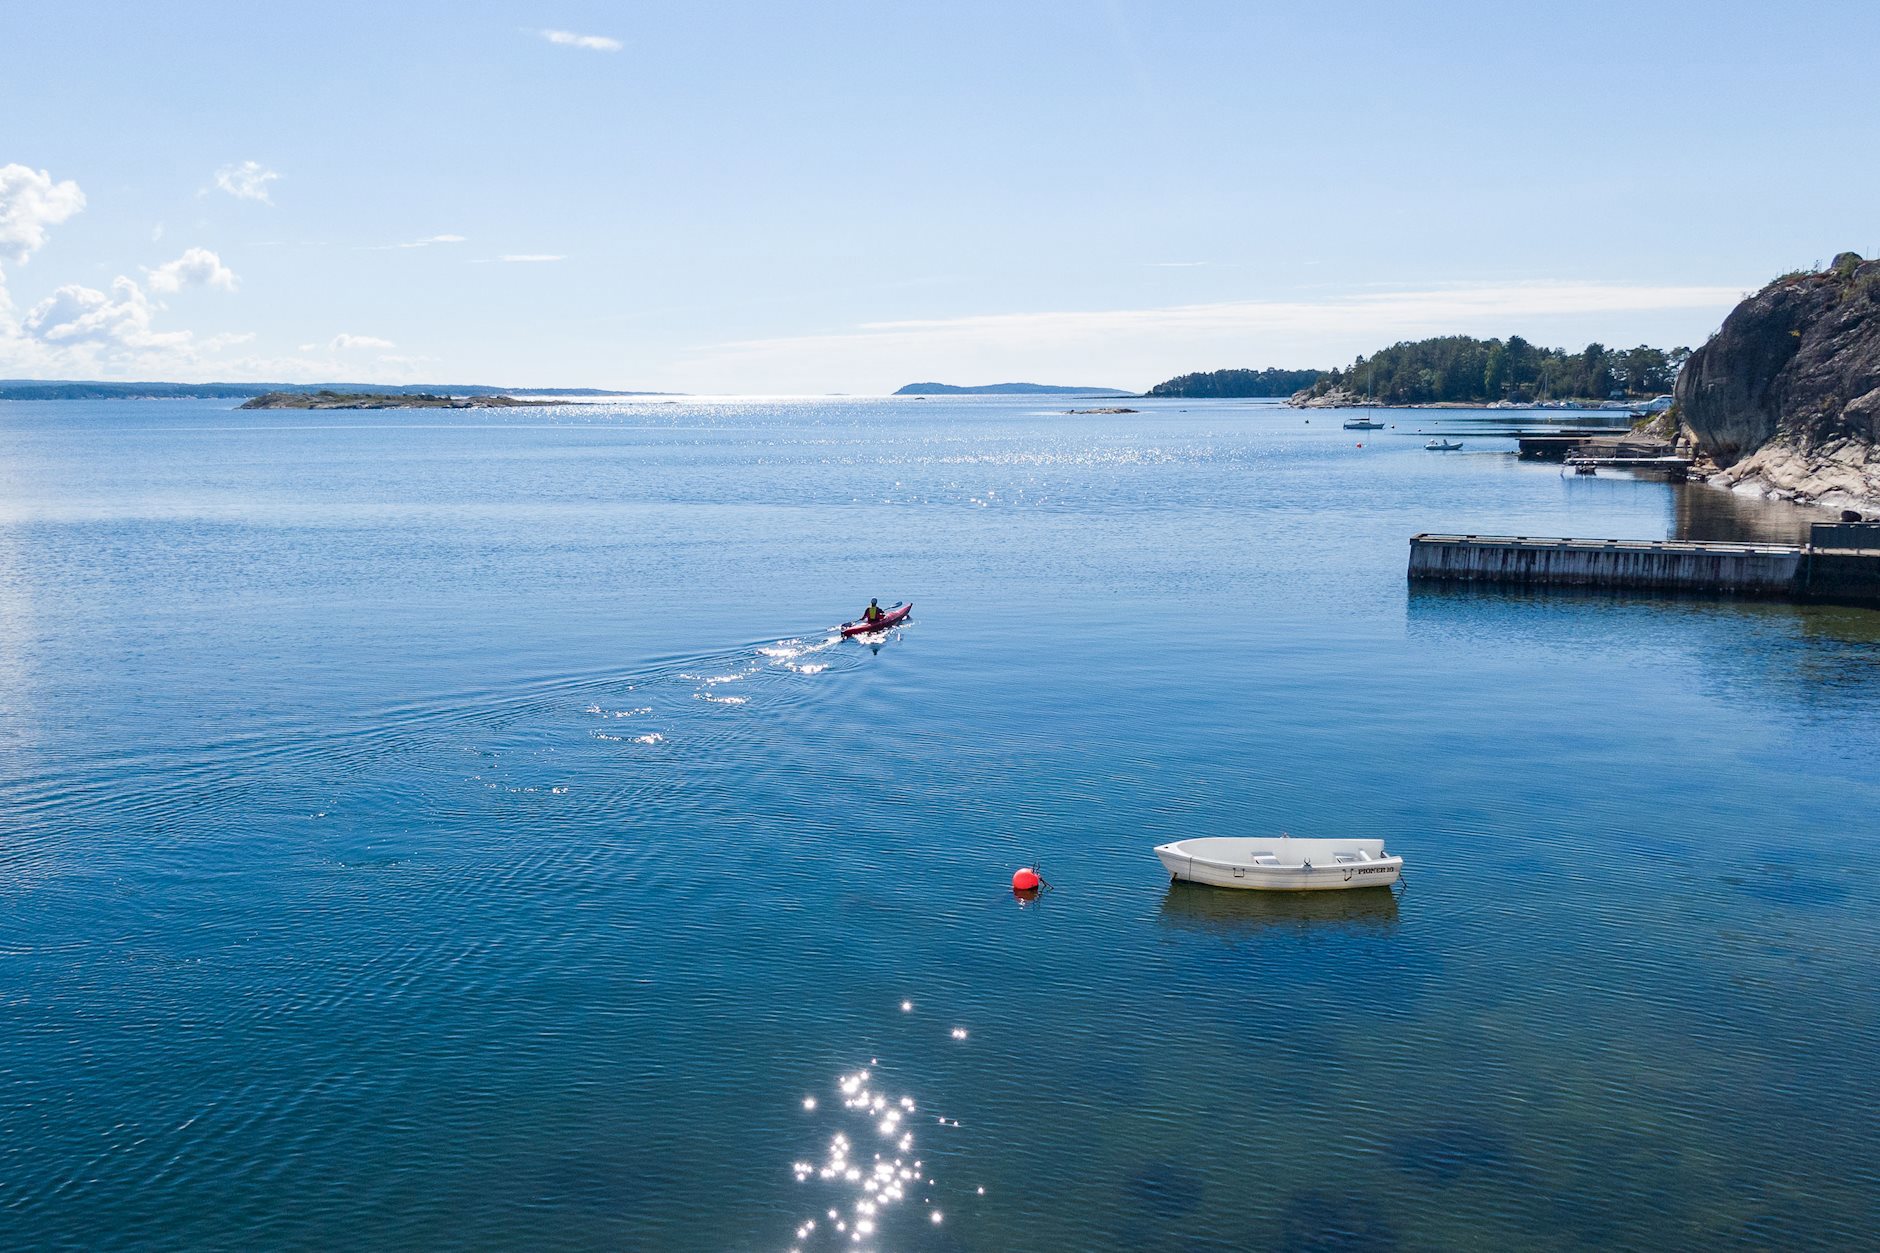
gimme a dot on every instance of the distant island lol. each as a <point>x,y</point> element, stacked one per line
<point>1007,389</point>
<point>384,400</point>
<point>1462,370</point>
<point>88,389</point>
<point>1222,384</point>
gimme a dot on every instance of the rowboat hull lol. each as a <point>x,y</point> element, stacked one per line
<point>1281,865</point>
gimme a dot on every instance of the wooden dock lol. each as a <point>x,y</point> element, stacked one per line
<point>1802,572</point>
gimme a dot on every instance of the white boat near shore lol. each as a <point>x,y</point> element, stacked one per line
<point>1364,424</point>
<point>1281,864</point>
<point>1444,445</point>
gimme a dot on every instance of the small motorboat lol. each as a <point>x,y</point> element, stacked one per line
<point>1444,445</point>
<point>893,617</point>
<point>1281,864</point>
<point>1363,424</point>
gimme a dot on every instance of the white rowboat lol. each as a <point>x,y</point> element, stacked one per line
<point>1281,864</point>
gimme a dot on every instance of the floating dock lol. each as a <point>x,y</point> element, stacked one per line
<point>1844,570</point>
<point>1673,469</point>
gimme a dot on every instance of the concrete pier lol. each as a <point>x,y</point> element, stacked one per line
<point>1806,572</point>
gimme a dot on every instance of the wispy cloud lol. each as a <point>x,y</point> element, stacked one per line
<point>593,43</point>
<point>1142,345</point>
<point>344,342</point>
<point>196,267</point>
<point>247,181</point>
<point>429,241</point>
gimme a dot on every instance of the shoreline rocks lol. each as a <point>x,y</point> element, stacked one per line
<point>1336,398</point>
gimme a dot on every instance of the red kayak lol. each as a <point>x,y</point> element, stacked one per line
<point>893,617</point>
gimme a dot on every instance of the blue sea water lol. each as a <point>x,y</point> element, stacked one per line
<point>463,830</point>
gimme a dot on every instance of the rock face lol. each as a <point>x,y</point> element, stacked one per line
<point>1785,398</point>
<point>1336,398</point>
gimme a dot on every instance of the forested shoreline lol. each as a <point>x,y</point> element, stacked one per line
<point>1459,369</point>
<point>1227,383</point>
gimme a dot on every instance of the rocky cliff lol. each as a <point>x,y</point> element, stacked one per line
<point>1785,398</point>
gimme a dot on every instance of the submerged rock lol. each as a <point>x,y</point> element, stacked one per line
<point>1785,397</point>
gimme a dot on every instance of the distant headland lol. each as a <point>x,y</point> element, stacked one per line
<point>1007,389</point>
<point>384,400</point>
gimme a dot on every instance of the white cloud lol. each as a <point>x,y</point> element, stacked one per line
<point>29,203</point>
<point>593,43</point>
<point>88,319</point>
<point>196,267</point>
<point>343,342</point>
<point>247,181</point>
<point>80,330</point>
<point>1124,347</point>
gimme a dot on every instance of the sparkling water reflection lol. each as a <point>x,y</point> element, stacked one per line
<point>385,863</point>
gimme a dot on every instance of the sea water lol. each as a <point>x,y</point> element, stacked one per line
<point>463,829</point>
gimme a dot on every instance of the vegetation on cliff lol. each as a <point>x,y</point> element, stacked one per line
<point>1462,369</point>
<point>1786,395</point>
<point>1224,383</point>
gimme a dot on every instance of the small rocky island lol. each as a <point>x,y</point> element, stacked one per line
<point>384,400</point>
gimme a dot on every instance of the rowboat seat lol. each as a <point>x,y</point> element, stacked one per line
<point>1265,859</point>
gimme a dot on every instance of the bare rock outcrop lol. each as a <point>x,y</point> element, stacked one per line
<point>1337,398</point>
<point>1785,398</point>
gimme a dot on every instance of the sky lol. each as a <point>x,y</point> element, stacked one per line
<point>749,198</point>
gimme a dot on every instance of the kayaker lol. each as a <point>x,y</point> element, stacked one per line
<point>873,612</point>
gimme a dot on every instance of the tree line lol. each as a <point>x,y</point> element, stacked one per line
<point>1219,383</point>
<point>1463,369</point>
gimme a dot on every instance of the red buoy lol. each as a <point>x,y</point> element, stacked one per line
<point>1026,880</point>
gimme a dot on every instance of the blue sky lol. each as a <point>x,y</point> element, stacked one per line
<point>757,198</point>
